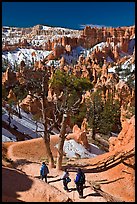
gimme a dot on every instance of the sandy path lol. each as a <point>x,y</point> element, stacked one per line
<point>31,169</point>
<point>54,180</point>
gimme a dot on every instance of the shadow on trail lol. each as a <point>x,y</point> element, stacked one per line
<point>74,189</point>
<point>52,176</point>
<point>13,183</point>
<point>54,180</point>
<point>22,162</point>
<point>92,194</point>
<point>39,177</point>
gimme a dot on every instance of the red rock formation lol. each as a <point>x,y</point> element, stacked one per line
<point>62,62</point>
<point>125,138</point>
<point>68,48</point>
<point>30,104</point>
<point>58,50</point>
<point>84,125</point>
<point>11,96</point>
<point>9,77</point>
<point>123,92</point>
<point>79,136</point>
<point>50,56</point>
<point>88,38</point>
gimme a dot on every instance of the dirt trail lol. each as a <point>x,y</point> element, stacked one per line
<point>116,177</point>
<point>54,180</point>
<point>32,169</point>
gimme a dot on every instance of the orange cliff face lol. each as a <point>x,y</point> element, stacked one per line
<point>79,135</point>
<point>126,137</point>
<point>124,145</point>
<point>9,77</point>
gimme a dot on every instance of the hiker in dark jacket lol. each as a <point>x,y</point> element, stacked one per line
<point>79,181</point>
<point>44,171</point>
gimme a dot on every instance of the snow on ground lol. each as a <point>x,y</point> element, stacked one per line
<point>28,126</point>
<point>99,45</point>
<point>128,63</point>
<point>75,150</point>
<point>124,66</point>
<point>25,125</point>
<point>109,59</point>
<point>57,28</point>
<point>13,35</point>
<point>131,46</point>
<point>55,63</point>
<point>111,69</point>
<point>95,149</point>
<point>22,125</point>
<point>7,136</point>
<point>45,27</point>
<point>24,54</point>
<point>74,54</point>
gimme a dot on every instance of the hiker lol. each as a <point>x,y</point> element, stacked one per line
<point>66,179</point>
<point>44,171</point>
<point>79,181</point>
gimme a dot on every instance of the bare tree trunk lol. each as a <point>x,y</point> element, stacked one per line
<point>9,118</point>
<point>36,127</point>
<point>61,142</point>
<point>47,145</point>
<point>93,130</point>
<point>46,135</point>
<point>19,110</point>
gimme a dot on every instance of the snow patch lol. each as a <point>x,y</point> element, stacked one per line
<point>24,54</point>
<point>75,150</point>
<point>111,70</point>
<point>99,45</point>
<point>109,59</point>
<point>25,125</point>
<point>7,136</point>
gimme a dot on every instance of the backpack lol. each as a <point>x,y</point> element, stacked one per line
<point>68,180</point>
<point>44,170</point>
<point>82,178</point>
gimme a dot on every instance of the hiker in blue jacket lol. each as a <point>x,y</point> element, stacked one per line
<point>79,181</point>
<point>44,171</point>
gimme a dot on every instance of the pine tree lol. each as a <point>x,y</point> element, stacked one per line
<point>69,90</point>
<point>103,116</point>
<point>20,93</point>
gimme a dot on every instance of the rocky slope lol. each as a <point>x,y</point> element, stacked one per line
<point>93,53</point>
<point>116,42</point>
<point>114,172</point>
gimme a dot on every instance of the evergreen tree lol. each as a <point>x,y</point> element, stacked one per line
<point>20,94</point>
<point>69,90</point>
<point>110,117</point>
<point>104,117</point>
<point>4,93</point>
